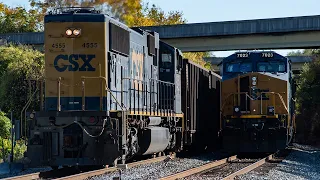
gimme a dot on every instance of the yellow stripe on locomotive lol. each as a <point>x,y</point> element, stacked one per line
<point>71,58</point>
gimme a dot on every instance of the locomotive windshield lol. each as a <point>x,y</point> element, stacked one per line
<point>240,66</point>
<point>271,66</point>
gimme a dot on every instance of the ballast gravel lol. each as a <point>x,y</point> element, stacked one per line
<point>160,169</point>
<point>302,163</point>
<point>24,172</point>
<point>223,171</point>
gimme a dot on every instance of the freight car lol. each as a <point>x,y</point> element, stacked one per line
<point>111,93</point>
<point>201,107</point>
<point>257,106</point>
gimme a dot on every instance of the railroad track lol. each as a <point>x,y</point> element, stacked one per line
<point>228,168</point>
<point>54,173</point>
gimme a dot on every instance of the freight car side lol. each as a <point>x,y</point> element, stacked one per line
<point>201,106</point>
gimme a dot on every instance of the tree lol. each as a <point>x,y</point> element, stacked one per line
<point>18,65</point>
<point>16,20</point>
<point>4,126</point>
<point>308,101</point>
<point>197,57</point>
<point>306,52</point>
<point>124,10</point>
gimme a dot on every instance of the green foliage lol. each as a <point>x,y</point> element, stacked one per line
<point>17,65</point>
<point>18,149</point>
<point>5,125</point>
<point>308,101</point>
<point>305,52</point>
<point>197,57</point>
<point>18,19</point>
<point>5,140</point>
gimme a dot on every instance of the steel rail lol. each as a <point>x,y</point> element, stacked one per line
<point>249,168</point>
<point>91,173</point>
<point>25,177</point>
<point>113,169</point>
<point>199,169</point>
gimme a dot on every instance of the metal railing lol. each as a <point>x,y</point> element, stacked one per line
<point>236,99</point>
<point>83,92</point>
<point>153,96</point>
<point>23,114</point>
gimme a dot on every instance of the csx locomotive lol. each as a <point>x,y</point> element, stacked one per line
<point>257,104</point>
<point>113,93</point>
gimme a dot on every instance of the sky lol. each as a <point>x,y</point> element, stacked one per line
<point>196,11</point>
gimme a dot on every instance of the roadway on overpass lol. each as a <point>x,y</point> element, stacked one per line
<point>276,33</point>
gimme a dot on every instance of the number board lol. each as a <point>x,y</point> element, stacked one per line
<point>58,45</point>
<point>267,55</point>
<point>242,55</point>
<point>90,45</point>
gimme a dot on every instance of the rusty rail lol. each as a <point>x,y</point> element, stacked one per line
<point>199,169</point>
<point>112,169</point>
<point>249,168</point>
<point>86,175</point>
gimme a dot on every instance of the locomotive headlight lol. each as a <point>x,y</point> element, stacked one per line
<point>236,109</point>
<point>254,78</point>
<point>254,83</point>
<point>76,32</point>
<point>68,32</point>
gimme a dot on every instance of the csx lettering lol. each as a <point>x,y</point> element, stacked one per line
<point>74,59</point>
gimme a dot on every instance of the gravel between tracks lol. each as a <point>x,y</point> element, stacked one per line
<point>302,163</point>
<point>160,169</point>
<point>223,170</point>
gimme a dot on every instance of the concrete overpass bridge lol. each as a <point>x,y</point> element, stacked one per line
<point>276,33</point>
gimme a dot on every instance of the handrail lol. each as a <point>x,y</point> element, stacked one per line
<point>106,88</point>
<point>225,101</point>
<point>280,97</point>
<point>150,81</point>
<point>24,110</point>
<point>246,93</point>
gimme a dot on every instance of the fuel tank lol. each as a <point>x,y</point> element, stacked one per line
<point>153,140</point>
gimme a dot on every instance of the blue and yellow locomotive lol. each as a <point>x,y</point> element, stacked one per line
<point>105,100</point>
<point>257,106</point>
